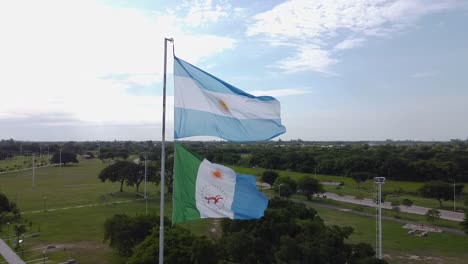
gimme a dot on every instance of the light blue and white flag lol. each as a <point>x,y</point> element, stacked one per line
<point>208,106</point>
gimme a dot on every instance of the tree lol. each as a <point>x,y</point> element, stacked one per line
<point>8,210</point>
<point>439,190</point>
<point>464,223</point>
<point>432,215</point>
<point>178,244</point>
<point>67,157</point>
<point>397,211</point>
<point>285,185</point>
<point>120,171</point>
<point>309,186</point>
<point>124,232</point>
<point>269,176</point>
<point>359,251</point>
<point>407,202</point>
<point>202,251</point>
<point>19,229</point>
<point>360,177</point>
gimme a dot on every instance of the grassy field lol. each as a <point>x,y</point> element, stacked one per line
<point>77,232</point>
<point>22,162</point>
<point>408,189</point>
<point>397,244</point>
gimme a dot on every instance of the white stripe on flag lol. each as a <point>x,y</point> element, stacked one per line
<point>189,95</point>
<point>214,191</point>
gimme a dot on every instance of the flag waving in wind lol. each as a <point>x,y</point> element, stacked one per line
<point>208,106</point>
<point>206,190</point>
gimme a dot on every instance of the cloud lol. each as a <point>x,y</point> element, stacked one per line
<point>304,23</point>
<point>279,92</point>
<point>204,12</point>
<point>81,57</point>
<point>350,43</point>
<point>307,59</point>
<point>423,74</point>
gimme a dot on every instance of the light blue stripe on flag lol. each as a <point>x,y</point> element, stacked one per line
<point>195,123</point>
<point>248,203</point>
<point>210,82</point>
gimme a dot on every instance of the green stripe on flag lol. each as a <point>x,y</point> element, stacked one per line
<point>186,166</point>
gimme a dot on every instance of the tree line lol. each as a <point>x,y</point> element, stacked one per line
<point>288,233</point>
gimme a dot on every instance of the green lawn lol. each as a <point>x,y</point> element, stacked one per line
<point>397,241</point>
<point>77,230</point>
<point>22,162</point>
<point>350,187</point>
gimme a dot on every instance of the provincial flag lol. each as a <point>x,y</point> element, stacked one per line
<point>206,190</point>
<point>208,106</point>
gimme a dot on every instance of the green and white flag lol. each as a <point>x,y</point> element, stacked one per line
<point>206,190</point>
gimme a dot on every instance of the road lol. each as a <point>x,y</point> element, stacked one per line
<point>8,254</point>
<point>444,214</point>
<point>390,218</point>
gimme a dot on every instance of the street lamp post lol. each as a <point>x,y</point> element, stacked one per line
<point>45,200</point>
<point>279,189</point>
<point>8,225</point>
<point>454,204</point>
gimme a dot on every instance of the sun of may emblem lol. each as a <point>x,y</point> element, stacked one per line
<point>217,174</point>
<point>213,197</point>
<point>224,106</point>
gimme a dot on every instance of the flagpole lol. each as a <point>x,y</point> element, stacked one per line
<point>163,159</point>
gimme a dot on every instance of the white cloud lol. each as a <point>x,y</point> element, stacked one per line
<point>80,57</point>
<point>204,12</point>
<point>303,23</point>
<point>308,59</point>
<point>279,92</point>
<point>423,74</point>
<point>350,43</point>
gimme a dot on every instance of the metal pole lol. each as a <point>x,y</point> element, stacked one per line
<point>163,159</point>
<point>33,172</point>
<point>8,224</point>
<point>146,197</point>
<point>60,165</point>
<point>380,221</point>
<point>454,204</point>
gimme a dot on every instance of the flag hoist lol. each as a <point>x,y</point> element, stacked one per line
<point>205,105</point>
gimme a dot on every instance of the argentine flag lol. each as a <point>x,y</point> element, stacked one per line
<point>206,190</point>
<point>208,106</point>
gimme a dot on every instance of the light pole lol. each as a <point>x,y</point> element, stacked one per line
<point>33,171</point>
<point>378,182</point>
<point>44,198</point>
<point>279,189</point>
<point>454,204</point>
<point>146,197</point>
<point>8,224</point>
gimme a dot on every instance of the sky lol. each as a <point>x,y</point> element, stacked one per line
<point>342,70</point>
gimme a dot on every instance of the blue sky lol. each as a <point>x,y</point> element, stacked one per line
<point>342,70</point>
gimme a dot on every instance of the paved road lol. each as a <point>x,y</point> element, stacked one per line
<point>8,254</point>
<point>444,214</point>
<point>390,218</point>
